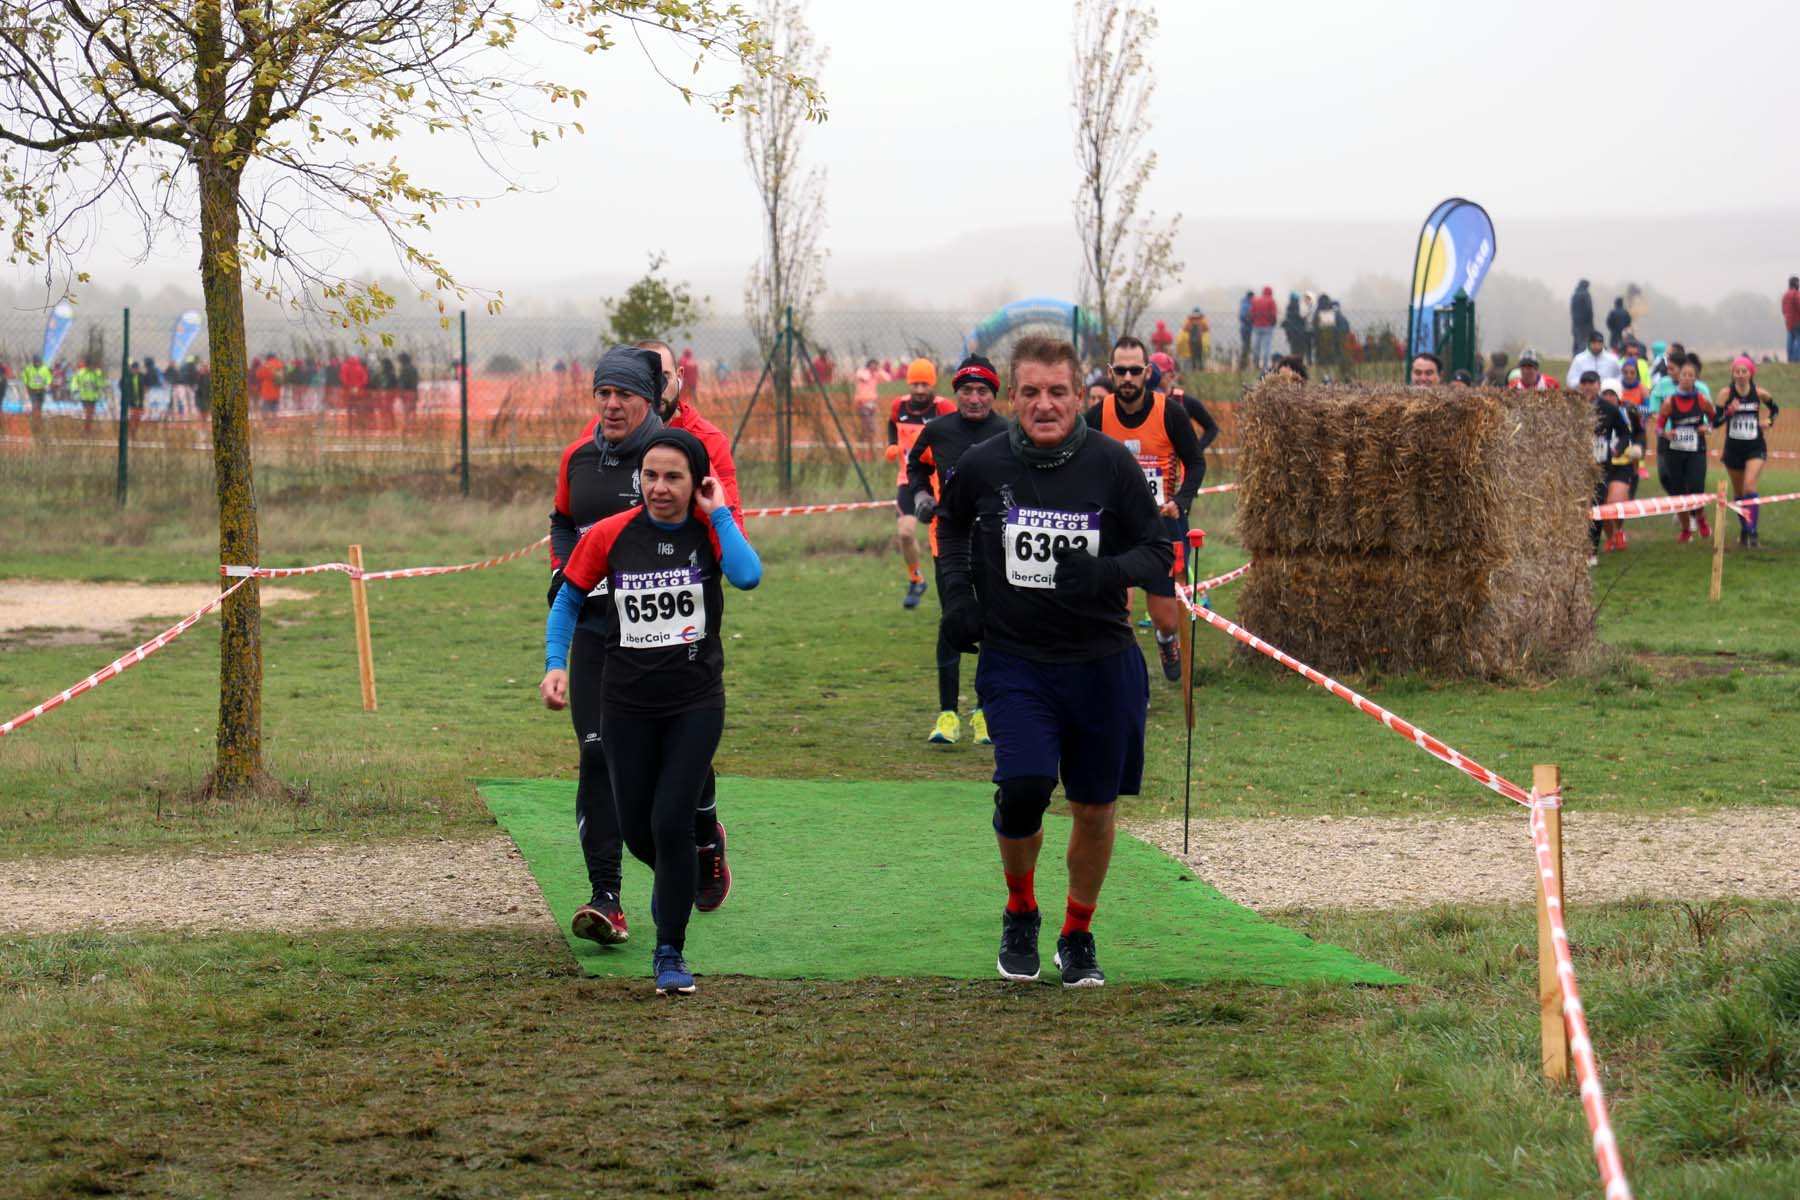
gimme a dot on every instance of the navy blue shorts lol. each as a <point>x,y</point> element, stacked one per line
<point>1082,722</point>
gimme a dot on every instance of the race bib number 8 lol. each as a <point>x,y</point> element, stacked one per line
<point>1034,535</point>
<point>660,608</point>
<point>1685,439</point>
<point>1745,427</point>
<point>1153,475</point>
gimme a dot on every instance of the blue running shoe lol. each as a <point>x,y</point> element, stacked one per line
<point>914,593</point>
<point>672,974</point>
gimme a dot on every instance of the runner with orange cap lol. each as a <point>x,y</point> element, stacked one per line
<point>906,420</point>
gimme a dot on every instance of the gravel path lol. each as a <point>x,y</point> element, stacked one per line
<point>388,884</point>
<point>1267,864</point>
<point>107,607</point>
<point>1415,862</point>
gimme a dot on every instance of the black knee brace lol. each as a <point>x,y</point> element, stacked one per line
<point>1019,805</point>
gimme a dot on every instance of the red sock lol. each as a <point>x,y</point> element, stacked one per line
<point>1019,897</point>
<point>1078,918</point>
<point>912,570</point>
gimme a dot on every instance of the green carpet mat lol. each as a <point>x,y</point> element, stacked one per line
<point>853,880</point>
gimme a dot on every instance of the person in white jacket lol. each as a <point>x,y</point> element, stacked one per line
<point>1596,358</point>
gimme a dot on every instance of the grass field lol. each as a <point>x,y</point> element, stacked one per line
<point>441,1062</point>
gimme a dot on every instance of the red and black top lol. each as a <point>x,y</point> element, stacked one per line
<point>662,648</point>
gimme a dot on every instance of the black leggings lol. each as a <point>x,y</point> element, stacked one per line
<point>949,661</point>
<point>659,765</point>
<point>596,815</point>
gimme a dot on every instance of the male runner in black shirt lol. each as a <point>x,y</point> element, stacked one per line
<point>1065,524</point>
<point>929,465</point>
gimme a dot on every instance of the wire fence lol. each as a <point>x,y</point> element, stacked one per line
<point>332,412</point>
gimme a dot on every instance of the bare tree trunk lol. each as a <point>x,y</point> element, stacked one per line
<point>239,764</point>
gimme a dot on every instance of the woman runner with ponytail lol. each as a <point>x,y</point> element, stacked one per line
<point>662,689</point>
<point>1747,414</point>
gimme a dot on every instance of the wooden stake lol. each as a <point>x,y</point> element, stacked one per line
<point>1719,517</point>
<point>365,651</point>
<point>1553,1033</point>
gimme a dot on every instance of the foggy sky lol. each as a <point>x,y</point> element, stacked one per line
<point>951,119</point>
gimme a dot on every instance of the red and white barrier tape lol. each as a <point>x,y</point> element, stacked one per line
<point>1581,1047</point>
<point>1207,585</point>
<point>1587,1072</point>
<point>1738,506</point>
<point>1656,505</point>
<point>121,664</point>
<point>233,571</point>
<point>416,572</point>
<point>1406,729</point>
<point>1650,507</point>
<point>802,510</point>
<point>1216,488</point>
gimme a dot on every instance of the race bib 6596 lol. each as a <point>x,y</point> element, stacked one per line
<point>660,608</point>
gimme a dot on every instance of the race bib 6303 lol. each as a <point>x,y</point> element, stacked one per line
<point>1034,535</point>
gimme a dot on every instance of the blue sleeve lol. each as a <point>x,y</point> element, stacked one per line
<point>737,557</point>
<point>559,627</point>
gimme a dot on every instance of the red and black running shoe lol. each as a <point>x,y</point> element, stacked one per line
<point>715,874</point>
<point>601,920</point>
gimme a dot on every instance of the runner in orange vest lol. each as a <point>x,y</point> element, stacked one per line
<point>906,420</point>
<point>1159,433</point>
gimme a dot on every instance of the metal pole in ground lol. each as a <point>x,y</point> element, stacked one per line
<point>463,392</point>
<point>1196,538</point>
<point>784,402</point>
<point>125,411</point>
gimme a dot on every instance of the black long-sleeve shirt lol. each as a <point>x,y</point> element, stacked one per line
<point>1019,514</point>
<point>1196,411</point>
<point>941,445</point>
<point>1181,436</point>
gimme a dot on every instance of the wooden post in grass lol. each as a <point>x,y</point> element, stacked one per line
<point>365,652</point>
<point>1718,579</point>
<point>1553,1032</point>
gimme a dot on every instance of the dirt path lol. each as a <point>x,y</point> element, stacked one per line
<point>1408,862</point>
<point>1270,864</point>
<point>97,608</point>
<point>423,882</point>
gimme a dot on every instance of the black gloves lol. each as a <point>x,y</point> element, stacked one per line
<point>556,582</point>
<point>1081,573</point>
<point>924,507</point>
<point>961,622</point>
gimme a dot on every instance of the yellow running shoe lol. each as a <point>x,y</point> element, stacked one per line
<point>947,729</point>
<point>978,725</point>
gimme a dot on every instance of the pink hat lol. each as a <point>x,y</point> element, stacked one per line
<point>1164,362</point>
<point>1744,360</point>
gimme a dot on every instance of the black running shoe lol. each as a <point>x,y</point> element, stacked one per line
<point>1170,653</point>
<point>1075,956</point>
<point>1018,946</point>
<point>715,874</point>
<point>601,920</point>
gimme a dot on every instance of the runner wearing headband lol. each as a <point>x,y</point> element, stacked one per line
<point>662,688</point>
